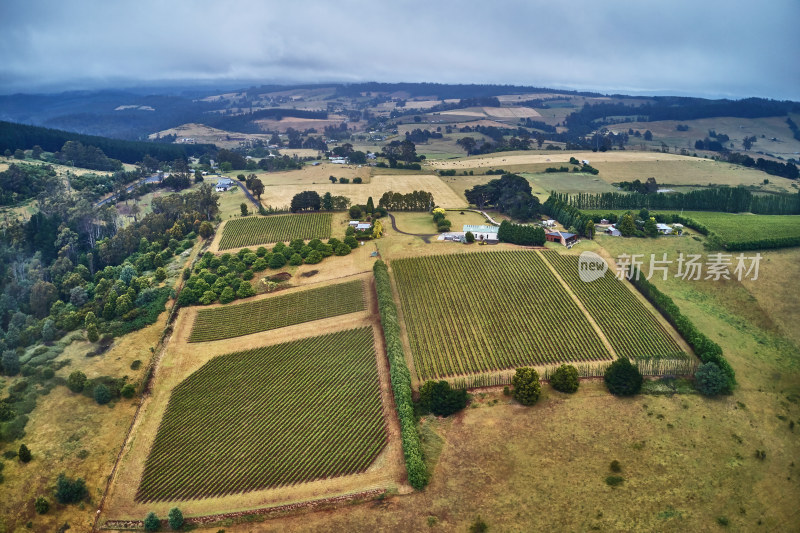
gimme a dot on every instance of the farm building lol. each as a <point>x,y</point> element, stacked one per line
<point>482,233</point>
<point>664,229</point>
<point>353,223</point>
<point>223,184</point>
<point>363,226</point>
<point>613,231</point>
<point>567,239</point>
<point>604,221</point>
<point>548,223</point>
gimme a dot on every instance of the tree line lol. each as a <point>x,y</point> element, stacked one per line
<point>724,199</point>
<point>413,201</point>
<point>524,235</point>
<point>21,136</point>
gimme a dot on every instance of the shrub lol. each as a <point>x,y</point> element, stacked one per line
<point>613,481</point>
<point>175,518</point>
<point>128,391</point>
<point>136,365</point>
<point>710,380</point>
<point>24,454</point>
<point>296,260</point>
<point>92,334</point>
<point>70,490</point>
<point>313,258</point>
<point>76,381</point>
<point>41,505</point>
<point>506,391</point>
<point>478,526</point>
<point>151,522</point>
<point>342,249</point>
<point>526,386</point>
<point>161,274</point>
<point>623,378</point>
<point>277,260</point>
<point>440,399</point>
<point>102,395</point>
<point>615,466</point>
<point>565,379</point>
<point>470,237</point>
<point>227,296</point>
<point>351,241</point>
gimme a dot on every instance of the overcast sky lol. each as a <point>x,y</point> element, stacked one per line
<point>717,48</point>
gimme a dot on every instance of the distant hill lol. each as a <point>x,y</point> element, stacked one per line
<point>14,136</point>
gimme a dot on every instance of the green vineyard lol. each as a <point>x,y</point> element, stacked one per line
<point>631,329</point>
<point>253,231</point>
<point>270,417</point>
<point>483,312</point>
<point>278,311</point>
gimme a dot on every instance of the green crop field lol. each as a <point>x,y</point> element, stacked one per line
<point>482,312</point>
<point>278,311</point>
<point>629,326</point>
<point>269,417</point>
<point>252,231</point>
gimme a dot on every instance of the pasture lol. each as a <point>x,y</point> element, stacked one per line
<point>253,231</point>
<point>462,318</point>
<point>307,410</point>
<point>280,310</point>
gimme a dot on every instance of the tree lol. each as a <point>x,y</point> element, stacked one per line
<point>306,200</point>
<point>128,391</point>
<point>151,522</point>
<point>351,241</point>
<point>526,386</point>
<point>41,505</point>
<point>470,237</point>
<point>648,135</point>
<point>589,230</point>
<point>370,206</point>
<point>175,518</point>
<point>257,187</point>
<point>43,294</point>
<point>246,289</point>
<point>440,399</point>
<point>243,207</point>
<point>565,379</point>
<point>468,144</point>
<point>710,380</point>
<point>333,179</point>
<point>623,378</point>
<point>206,230</point>
<point>24,454</point>
<point>70,490</point>
<point>76,381</point>
<point>198,176</point>
<point>277,260</point>
<point>650,227</point>
<point>227,296</point>
<point>11,364</point>
<point>626,226</point>
<point>102,395</point>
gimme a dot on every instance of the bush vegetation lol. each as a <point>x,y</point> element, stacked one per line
<point>400,377</point>
<point>526,386</point>
<point>565,379</point>
<point>439,398</point>
<point>623,378</point>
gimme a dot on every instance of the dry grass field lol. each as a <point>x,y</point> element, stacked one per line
<point>203,134</point>
<point>281,194</point>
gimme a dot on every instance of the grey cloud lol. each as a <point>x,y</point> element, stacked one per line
<point>706,48</point>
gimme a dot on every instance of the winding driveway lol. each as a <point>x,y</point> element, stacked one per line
<point>424,236</point>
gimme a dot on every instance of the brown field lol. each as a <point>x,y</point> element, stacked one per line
<point>300,123</point>
<point>206,134</point>
<point>181,359</point>
<point>511,112</point>
<point>281,195</point>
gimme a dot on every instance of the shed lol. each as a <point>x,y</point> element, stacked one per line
<point>567,239</point>
<point>354,223</point>
<point>664,229</point>
<point>363,226</point>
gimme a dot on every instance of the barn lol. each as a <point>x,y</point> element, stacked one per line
<point>567,239</point>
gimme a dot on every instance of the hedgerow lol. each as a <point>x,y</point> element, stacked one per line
<point>400,377</point>
<point>707,350</point>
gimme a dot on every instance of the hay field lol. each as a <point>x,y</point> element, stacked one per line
<point>534,157</point>
<point>206,134</point>
<point>511,112</point>
<point>300,123</point>
<point>281,195</point>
